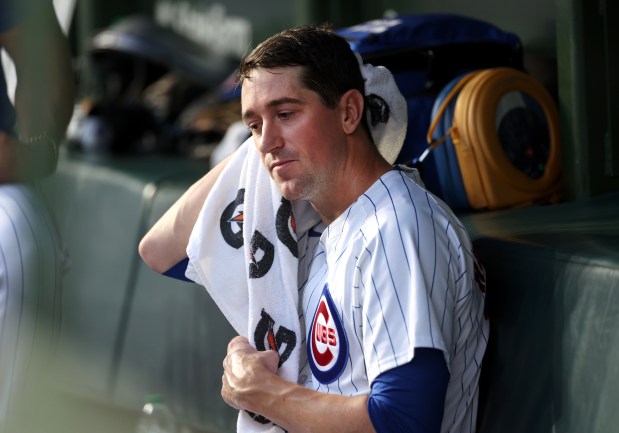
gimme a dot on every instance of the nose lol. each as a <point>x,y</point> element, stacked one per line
<point>269,139</point>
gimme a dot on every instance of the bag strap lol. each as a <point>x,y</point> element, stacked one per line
<point>441,110</point>
<point>439,114</point>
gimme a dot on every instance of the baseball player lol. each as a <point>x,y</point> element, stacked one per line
<point>393,311</point>
<point>369,314</point>
<point>32,256</point>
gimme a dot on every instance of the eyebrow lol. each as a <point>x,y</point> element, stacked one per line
<point>272,104</point>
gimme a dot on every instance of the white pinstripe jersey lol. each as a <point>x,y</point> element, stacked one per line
<point>395,271</point>
<point>32,263</point>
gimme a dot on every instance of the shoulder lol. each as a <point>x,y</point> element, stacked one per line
<point>400,200</point>
<point>400,211</point>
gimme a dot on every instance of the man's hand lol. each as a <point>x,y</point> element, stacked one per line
<point>246,373</point>
<point>250,382</point>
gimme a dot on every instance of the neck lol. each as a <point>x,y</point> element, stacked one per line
<point>356,177</point>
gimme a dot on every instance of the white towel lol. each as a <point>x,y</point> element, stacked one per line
<point>243,250</point>
<point>386,109</point>
<point>243,246</point>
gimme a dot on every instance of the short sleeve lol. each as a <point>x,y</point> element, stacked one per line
<point>407,296</point>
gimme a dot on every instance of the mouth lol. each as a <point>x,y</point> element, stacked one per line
<point>275,165</point>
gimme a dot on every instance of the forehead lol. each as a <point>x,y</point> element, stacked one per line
<point>271,83</point>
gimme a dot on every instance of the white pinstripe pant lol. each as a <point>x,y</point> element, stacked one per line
<point>32,263</point>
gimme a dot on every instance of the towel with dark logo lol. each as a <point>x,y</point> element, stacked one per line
<point>243,250</point>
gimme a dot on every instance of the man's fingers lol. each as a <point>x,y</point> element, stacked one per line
<point>270,358</point>
<point>238,343</point>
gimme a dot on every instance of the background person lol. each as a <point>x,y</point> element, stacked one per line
<point>32,256</point>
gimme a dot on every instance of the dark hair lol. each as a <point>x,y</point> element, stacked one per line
<point>330,67</point>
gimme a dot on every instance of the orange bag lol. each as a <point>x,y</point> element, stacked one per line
<point>505,132</point>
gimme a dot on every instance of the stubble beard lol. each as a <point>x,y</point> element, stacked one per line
<point>311,187</point>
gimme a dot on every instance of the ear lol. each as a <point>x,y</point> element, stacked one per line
<point>352,104</point>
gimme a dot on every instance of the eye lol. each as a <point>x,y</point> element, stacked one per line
<point>284,114</point>
<point>254,127</point>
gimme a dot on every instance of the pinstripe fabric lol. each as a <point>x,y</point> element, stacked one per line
<point>32,263</point>
<point>400,271</point>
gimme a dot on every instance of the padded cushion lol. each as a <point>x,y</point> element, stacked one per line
<point>128,331</point>
<point>553,301</point>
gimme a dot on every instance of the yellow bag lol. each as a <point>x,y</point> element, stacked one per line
<point>505,132</point>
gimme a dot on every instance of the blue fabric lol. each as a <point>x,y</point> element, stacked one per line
<point>178,271</point>
<point>423,31</point>
<point>446,165</point>
<point>421,52</point>
<point>411,398</point>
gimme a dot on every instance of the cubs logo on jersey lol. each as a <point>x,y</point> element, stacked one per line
<point>327,345</point>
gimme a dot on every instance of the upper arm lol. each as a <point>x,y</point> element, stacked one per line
<point>165,244</point>
<point>45,91</point>
<point>411,398</point>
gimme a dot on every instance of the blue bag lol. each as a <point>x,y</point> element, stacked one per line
<point>450,184</point>
<point>425,52</point>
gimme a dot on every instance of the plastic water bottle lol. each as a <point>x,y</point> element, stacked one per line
<point>156,416</point>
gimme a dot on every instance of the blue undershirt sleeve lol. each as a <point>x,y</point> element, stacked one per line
<point>410,398</point>
<point>178,271</point>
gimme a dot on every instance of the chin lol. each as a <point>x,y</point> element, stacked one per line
<point>290,193</point>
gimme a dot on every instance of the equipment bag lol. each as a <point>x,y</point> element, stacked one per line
<point>495,139</point>
<point>424,52</point>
